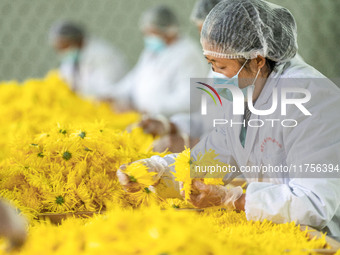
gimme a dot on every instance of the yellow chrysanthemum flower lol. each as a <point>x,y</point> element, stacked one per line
<point>184,169</point>
<point>139,173</point>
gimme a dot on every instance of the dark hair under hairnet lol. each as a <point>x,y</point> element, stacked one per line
<point>202,9</point>
<point>160,17</point>
<point>68,30</point>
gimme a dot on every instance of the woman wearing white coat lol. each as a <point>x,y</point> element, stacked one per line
<point>90,66</point>
<point>175,137</point>
<point>159,83</point>
<point>255,43</point>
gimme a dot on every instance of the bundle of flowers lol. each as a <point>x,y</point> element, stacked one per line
<point>185,169</point>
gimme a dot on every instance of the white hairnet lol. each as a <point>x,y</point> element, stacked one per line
<point>67,30</point>
<point>161,18</point>
<point>249,28</point>
<point>202,9</point>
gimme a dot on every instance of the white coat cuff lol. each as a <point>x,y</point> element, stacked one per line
<point>254,204</point>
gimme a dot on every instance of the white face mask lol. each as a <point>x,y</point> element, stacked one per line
<point>234,82</point>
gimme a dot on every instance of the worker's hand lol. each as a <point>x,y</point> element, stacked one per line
<point>173,142</point>
<point>152,164</point>
<point>12,225</point>
<point>155,127</point>
<point>107,100</point>
<point>121,107</point>
<point>125,181</point>
<point>164,184</point>
<point>204,195</point>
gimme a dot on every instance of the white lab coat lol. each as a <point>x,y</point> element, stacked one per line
<point>101,66</point>
<point>190,123</point>
<point>316,139</point>
<point>160,82</point>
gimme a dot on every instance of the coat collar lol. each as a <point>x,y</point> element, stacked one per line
<point>271,83</point>
<point>263,99</point>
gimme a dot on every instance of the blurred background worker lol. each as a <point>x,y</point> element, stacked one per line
<point>179,124</point>
<point>90,66</point>
<point>201,11</point>
<point>159,84</point>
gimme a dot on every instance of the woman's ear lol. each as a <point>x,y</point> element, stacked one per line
<point>261,61</point>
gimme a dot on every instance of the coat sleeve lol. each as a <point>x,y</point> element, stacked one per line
<point>177,98</point>
<point>122,90</point>
<point>310,201</point>
<point>217,141</point>
<point>101,66</point>
<point>315,140</point>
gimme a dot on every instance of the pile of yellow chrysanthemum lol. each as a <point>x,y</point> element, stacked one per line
<point>59,153</point>
<point>36,105</point>
<point>71,168</point>
<point>152,231</point>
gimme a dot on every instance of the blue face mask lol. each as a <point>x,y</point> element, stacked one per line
<point>70,55</point>
<point>231,81</point>
<point>154,44</point>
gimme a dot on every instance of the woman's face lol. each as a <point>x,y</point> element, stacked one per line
<point>230,67</point>
<point>227,67</point>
